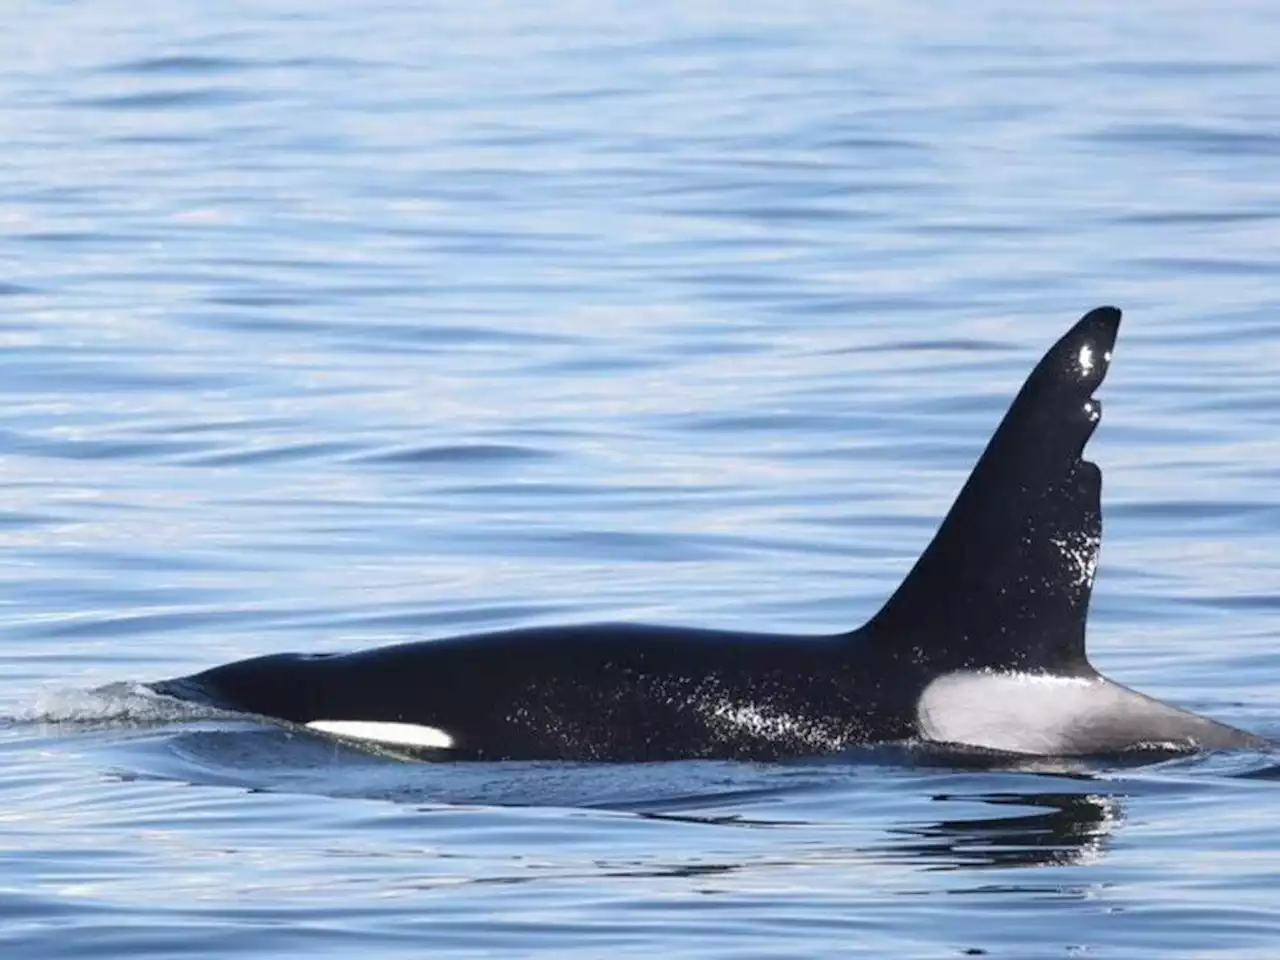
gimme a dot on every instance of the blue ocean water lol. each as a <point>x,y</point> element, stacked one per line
<point>327,326</point>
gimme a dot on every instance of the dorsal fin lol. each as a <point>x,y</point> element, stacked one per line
<point>1005,583</point>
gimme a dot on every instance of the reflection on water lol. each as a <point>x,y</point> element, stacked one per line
<point>1067,828</point>
<point>1011,828</point>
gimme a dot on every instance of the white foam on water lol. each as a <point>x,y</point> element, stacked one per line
<point>124,704</point>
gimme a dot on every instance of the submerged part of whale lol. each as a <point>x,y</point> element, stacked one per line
<point>983,644</point>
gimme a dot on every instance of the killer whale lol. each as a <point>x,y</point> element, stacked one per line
<point>981,646</point>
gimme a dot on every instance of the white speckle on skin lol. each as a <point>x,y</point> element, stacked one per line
<point>1086,358</point>
<point>1081,553</point>
<point>750,718</point>
<point>735,718</point>
<point>400,734</point>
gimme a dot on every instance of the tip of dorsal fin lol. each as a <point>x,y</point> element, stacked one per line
<point>1005,583</point>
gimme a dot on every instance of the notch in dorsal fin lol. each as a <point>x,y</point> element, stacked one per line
<point>1005,583</point>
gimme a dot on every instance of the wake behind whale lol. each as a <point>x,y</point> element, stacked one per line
<point>981,646</point>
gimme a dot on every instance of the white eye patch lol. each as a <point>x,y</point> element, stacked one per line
<point>399,734</point>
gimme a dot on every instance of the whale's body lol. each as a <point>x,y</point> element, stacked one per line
<point>982,646</point>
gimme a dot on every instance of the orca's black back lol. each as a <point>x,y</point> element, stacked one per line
<point>1004,584</point>
<point>613,691</point>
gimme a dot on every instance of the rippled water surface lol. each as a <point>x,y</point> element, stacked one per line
<point>332,325</point>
